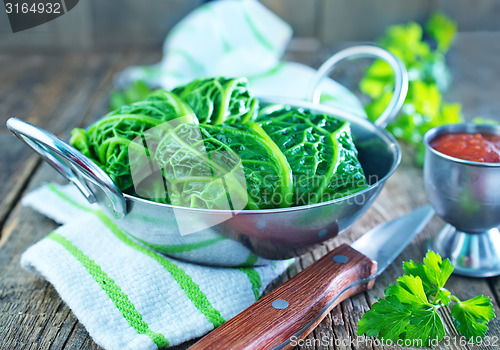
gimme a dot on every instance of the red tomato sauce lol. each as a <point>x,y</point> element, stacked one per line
<point>474,147</point>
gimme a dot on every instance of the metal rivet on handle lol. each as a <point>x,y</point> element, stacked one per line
<point>280,304</point>
<point>340,259</point>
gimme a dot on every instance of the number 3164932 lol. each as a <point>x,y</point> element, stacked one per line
<point>33,8</point>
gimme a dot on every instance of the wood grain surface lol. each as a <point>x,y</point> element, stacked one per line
<point>62,92</point>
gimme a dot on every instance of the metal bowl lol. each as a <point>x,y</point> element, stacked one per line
<point>249,237</point>
<point>466,195</point>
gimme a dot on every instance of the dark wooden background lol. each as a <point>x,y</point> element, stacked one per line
<point>117,24</point>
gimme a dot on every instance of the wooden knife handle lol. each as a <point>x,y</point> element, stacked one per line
<point>295,305</point>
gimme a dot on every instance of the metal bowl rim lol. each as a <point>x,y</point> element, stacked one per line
<point>337,112</point>
<point>456,128</point>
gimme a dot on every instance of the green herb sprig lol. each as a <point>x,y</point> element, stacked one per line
<point>422,50</point>
<point>410,308</point>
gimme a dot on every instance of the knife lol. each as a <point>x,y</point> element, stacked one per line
<point>291,311</point>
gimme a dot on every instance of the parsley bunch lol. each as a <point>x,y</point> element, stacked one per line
<point>422,50</point>
<point>410,308</point>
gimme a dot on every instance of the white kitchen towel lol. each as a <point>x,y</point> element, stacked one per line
<point>236,38</point>
<point>127,295</point>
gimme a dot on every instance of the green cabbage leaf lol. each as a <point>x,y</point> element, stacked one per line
<point>195,158</point>
<point>220,100</point>
<point>107,140</point>
<point>320,151</point>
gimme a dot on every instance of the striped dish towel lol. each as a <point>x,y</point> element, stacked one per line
<point>127,295</point>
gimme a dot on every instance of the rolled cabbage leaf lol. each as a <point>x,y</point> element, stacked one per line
<point>107,140</point>
<point>349,177</point>
<point>191,165</point>
<point>320,151</point>
<point>220,100</point>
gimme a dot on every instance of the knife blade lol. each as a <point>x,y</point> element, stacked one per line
<point>295,308</point>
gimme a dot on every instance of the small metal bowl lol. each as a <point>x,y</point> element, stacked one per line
<point>465,194</point>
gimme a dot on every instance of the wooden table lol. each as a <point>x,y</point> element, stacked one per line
<point>61,92</point>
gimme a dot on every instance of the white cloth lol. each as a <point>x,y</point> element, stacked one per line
<point>127,295</point>
<point>236,39</point>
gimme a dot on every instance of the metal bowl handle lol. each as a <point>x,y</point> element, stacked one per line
<point>91,180</point>
<point>368,51</point>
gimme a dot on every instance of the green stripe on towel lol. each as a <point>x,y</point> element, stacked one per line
<point>258,35</point>
<point>180,248</point>
<point>197,67</point>
<point>114,292</point>
<point>250,261</point>
<point>268,73</point>
<point>63,195</point>
<point>253,276</point>
<point>192,290</point>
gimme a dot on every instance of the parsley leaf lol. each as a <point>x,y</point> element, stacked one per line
<point>471,317</point>
<point>434,275</point>
<point>377,79</point>
<point>410,308</point>
<point>387,318</point>
<point>409,290</point>
<point>442,29</point>
<point>436,270</point>
<point>425,325</point>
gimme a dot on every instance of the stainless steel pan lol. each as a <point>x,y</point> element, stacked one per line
<point>248,237</point>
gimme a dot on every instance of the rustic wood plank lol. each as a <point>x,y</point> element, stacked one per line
<point>301,15</point>
<point>360,20</point>
<point>143,23</point>
<point>71,31</point>
<point>471,15</point>
<point>33,95</point>
<point>17,166</point>
<point>474,61</point>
